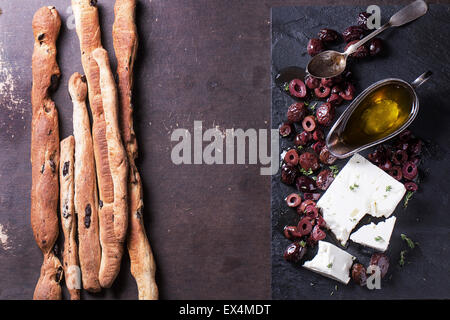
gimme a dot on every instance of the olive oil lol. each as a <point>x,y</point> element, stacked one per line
<point>379,114</point>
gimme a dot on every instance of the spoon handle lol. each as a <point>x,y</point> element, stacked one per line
<point>355,46</point>
<point>405,15</point>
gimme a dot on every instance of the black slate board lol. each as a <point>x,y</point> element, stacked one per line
<point>412,50</point>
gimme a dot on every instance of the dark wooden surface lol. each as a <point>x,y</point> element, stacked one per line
<point>198,60</point>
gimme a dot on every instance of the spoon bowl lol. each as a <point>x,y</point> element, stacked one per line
<point>328,64</point>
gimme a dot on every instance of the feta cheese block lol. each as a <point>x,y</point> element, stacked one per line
<point>360,188</point>
<point>332,262</point>
<point>373,235</point>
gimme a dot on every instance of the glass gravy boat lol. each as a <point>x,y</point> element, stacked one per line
<point>335,141</point>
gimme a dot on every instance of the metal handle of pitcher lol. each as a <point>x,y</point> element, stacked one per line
<point>421,79</point>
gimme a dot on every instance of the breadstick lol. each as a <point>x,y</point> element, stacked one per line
<point>45,151</point>
<point>125,41</point>
<point>86,201</point>
<point>113,225</point>
<point>112,214</point>
<point>68,221</point>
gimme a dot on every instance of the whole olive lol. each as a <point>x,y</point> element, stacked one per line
<point>289,173</point>
<point>308,161</point>
<point>302,138</point>
<point>353,33</point>
<point>296,112</point>
<point>328,35</point>
<point>382,261</point>
<point>325,114</point>
<point>359,274</point>
<point>361,52</point>
<point>362,20</point>
<point>375,46</point>
<point>315,46</point>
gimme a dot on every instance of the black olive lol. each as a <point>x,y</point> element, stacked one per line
<point>88,210</point>
<point>87,221</point>
<point>41,36</point>
<point>52,165</point>
<point>66,168</point>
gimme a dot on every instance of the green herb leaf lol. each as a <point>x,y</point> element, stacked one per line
<point>334,169</point>
<point>408,197</point>
<point>302,243</point>
<point>306,173</point>
<point>313,107</point>
<point>408,241</point>
<point>388,188</point>
<point>330,265</point>
<point>402,258</point>
<point>354,186</point>
<point>379,238</point>
<point>286,86</point>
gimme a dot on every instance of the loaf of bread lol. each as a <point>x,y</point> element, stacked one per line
<point>86,199</point>
<point>45,150</point>
<point>125,40</point>
<point>112,202</point>
<point>72,272</point>
<point>113,216</point>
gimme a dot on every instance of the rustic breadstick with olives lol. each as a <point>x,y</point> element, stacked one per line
<point>72,273</point>
<point>113,226</point>
<point>110,156</point>
<point>45,151</point>
<point>86,200</point>
<point>125,41</point>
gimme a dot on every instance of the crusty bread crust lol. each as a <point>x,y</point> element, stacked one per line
<point>68,220</point>
<point>86,199</point>
<point>114,224</point>
<point>125,39</point>
<point>45,150</point>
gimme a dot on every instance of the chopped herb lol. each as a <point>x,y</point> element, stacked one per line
<point>302,243</point>
<point>354,186</point>
<point>314,178</point>
<point>330,265</point>
<point>408,197</point>
<point>379,238</point>
<point>388,188</point>
<point>408,241</point>
<point>335,170</point>
<point>313,107</point>
<point>286,86</point>
<point>306,173</point>
<point>402,258</point>
<point>299,147</point>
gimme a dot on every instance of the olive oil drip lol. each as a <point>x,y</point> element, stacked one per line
<point>378,115</point>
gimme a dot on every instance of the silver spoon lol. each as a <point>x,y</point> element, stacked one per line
<point>331,63</point>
